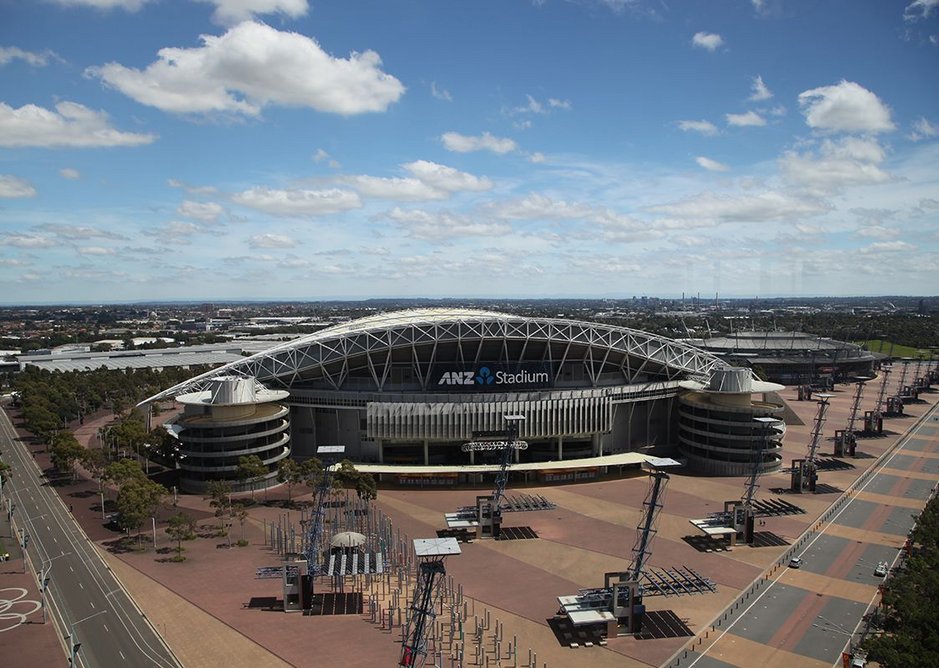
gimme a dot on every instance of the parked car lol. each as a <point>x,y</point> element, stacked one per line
<point>796,562</point>
<point>881,569</point>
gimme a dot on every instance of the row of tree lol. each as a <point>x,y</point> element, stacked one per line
<point>50,400</point>
<point>910,604</point>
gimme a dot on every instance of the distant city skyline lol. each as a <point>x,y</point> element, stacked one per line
<point>226,150</point>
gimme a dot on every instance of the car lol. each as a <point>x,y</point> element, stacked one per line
<point>881,569</point>
<point>796,562</point>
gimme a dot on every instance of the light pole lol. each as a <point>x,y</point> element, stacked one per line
<point>73,644</point>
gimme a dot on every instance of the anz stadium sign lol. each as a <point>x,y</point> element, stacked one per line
<point>495,376</point>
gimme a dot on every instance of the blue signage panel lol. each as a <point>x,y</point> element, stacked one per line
<point>493,377</point>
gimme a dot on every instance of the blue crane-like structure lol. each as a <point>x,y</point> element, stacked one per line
<point>328,455</point>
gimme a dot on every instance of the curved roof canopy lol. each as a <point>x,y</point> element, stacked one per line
<point>367,349</point>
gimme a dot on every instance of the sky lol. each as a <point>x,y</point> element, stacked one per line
<point>303,150</point>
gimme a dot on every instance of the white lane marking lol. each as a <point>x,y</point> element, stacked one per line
<point>106,628</point>
<point>81,585</point>
<point>92,603</point>
<point>122,654</point>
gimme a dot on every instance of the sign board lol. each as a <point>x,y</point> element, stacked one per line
<point>492,377</point>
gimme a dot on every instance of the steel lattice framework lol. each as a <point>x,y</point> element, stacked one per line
<point>376,342</point>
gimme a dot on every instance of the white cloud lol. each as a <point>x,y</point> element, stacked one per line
<point>845,107</point>
<point>923,129</point>
<point>11,53</point>
<point>440,93</point>
<point>711,165</point>
<point>195,190</point>
<point>536,158</point>
<point>27,241</point>
<point>920,9</point>
<point>402,189</point>
<point>458,143</point>
<point>852,161</point>
<point>79,232</point>
<point>175,232</point>
<point>428,181</point>
<point>541,207</point>
<point>704,127</point>
<point>12,187</point>
<point>206,212</point>
<point>747,119</point>
<point>446,178</point>
<point>252,66</point>
<point>71,125</point>
<point>713,208</point>
<point>555,103</point>
<point>96,250</point>
<point>299,203</point>
<point>707,40</point>
<point>104,5</point>
<point>70,173</point>
<point>443,225</point>
<point>272,241</point>
<point>760,91</point>
<point>534,106</point>
<point>230,12</point>
<point>321,155</point>
<point>877,232</point>
<point>888,247</point>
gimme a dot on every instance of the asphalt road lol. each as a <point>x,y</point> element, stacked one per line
<point>817,626</point>
<point>84,598</point>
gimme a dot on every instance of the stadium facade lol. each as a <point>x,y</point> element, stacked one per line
<point>410,387</point>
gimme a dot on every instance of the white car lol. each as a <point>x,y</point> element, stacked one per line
<point>881,569</point>
<point>796,562</point>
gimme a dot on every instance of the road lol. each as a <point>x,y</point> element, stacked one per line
<point>810,615</point>
<point>84,598</point>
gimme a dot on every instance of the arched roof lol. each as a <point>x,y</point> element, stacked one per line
<point>374,339</point>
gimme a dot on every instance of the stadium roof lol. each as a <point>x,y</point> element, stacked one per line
<point>374,338</point>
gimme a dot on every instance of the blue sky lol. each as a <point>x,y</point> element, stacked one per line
<point>286,149</point>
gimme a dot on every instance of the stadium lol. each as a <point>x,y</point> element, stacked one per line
<point>403,391</point>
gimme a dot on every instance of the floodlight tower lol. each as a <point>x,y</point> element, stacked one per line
<point>327,454</point>
<point>846,439</point>
<point>874,420</point>
<point>751,486</point>
<point>431,552</point>
<point>489,508</point>
<point>805,471</point>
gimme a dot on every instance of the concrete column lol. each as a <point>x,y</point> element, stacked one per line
<point>426,452</point>
<point>597,448</point>
<point>381,451</point>
<point>472,456</point>
<point>560,448</point>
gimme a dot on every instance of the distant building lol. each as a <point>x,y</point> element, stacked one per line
<point>791,358</point>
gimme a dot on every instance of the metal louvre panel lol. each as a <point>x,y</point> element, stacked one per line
<point>457,420</point>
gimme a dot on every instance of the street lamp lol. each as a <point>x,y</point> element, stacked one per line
<point>74,644</point>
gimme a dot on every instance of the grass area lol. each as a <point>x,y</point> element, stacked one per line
<point>894,349</point>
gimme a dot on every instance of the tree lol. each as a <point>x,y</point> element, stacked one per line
<point>136,501</point>
<point>66,451</point>
<point>311,471</point>
<point>290,473</point>
<point>242,516</point>
<point>219,496</point>
<point>124,470</point>
<point>251,469</point>
<point>181,527</point>
<point>96,463</point>
<point>348,477</point>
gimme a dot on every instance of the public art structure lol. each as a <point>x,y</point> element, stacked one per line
<point>410,387</point>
